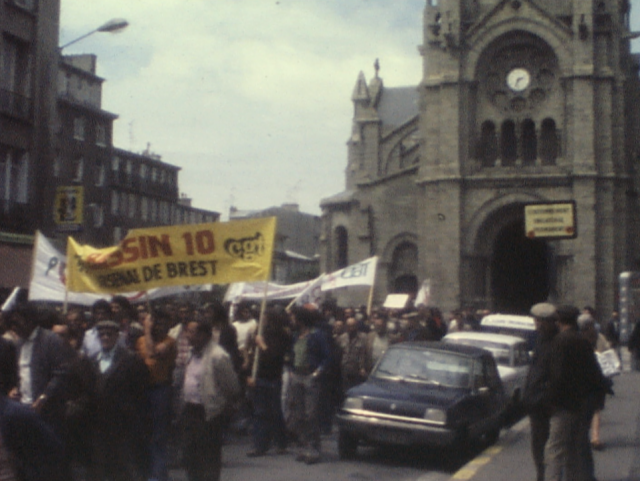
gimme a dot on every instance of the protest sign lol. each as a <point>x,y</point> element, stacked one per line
<point>215,253</point>
<point>48,280</point>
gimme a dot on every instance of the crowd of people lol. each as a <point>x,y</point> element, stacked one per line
<point>124,391</point>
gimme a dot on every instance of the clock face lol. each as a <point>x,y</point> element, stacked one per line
<point>518,79</point>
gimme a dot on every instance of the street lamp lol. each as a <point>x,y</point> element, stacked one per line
<point>112,26</point>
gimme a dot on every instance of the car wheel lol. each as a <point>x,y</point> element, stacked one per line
<point>347,445</point>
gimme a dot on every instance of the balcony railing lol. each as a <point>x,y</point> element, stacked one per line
<point>15,104</point>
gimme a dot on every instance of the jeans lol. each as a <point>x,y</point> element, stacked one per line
<point>268,421</point>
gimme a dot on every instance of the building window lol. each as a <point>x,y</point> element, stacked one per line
<point>78,169</point>
<point>26,4</point>
<point>154,210</point>
<point>115,203</point>
<point>57,165</point>
<point>529,142</point>
<point>101,135</point>
<point>100,174</point>
<point>342,247</point>
<point>488,148</point>
<point>78,128</point>
<point>144,208</point>
<point>549,142</point>
<point>117,234</point>
<point>143,171</point>
<point>98,215</point>
<point>132,206</point>
<point>15,78</point>
<point>154,175</point>
<point>508,143</point>
<point>128,168</point>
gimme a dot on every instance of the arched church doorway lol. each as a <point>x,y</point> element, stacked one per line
<point>402,271</point>
<point>520,270</point>
<point>407,284</point>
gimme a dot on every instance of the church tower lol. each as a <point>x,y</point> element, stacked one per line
<point>524,101</point>
<point>520,102</point>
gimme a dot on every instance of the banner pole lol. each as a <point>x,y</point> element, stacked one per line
<point>373,285</point>
<point>263,308</point>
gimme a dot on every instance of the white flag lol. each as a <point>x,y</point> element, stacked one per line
<point>360,274</point>
<point>424,294</point>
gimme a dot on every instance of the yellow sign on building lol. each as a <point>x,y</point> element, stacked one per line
<point>68,205</point>
<point>551,220</point>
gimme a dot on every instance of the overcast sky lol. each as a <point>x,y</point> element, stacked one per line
<point>251,98</point>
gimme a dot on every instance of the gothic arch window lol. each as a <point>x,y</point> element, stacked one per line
<point>403,264</point>
<point>529,142</point>
<point>488,147</point>
<point>508,143</point>
<point>342,247</point>
<point>549,142</point>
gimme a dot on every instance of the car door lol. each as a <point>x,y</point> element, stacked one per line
<point>489,397</point>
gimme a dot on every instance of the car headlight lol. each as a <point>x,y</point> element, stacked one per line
<point>353,403</point>
<point>435,415</point>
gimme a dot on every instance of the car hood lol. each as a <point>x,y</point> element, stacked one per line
<point>407,392</point>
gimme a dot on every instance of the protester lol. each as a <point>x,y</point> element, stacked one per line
<point>268,422</point>
<point>127,317</point>
<point>42,362</point>
<point>599,344</point>
<point>120,440</point>
<point>575,377</point>
<point>353,346</point>
<point>100,311</point>
<point>210,388</point>
<point>536,395</point>
<point>158,351</point>
<point>378,341</point>
<point>310,359</point>
<point>224,333</point>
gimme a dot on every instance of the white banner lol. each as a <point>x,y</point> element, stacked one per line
<point>48,280</point>
<point>255,290</point>
<point>360,274</point>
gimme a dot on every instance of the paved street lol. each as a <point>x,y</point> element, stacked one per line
<point>509,459</point>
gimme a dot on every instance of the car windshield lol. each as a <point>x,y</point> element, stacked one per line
<point>425,366</point>
<point>499,351</point>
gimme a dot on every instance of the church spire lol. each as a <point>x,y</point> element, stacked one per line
<point>361,91</point>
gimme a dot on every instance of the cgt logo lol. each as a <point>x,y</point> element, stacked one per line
<point>247,248</point>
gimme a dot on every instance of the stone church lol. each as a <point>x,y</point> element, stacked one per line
<point>520,102</point>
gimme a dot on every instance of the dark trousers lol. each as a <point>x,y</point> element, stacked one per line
<point>160,399</point>
<point>539,421</point>
<point>268,421</point>
<point>202,444</point>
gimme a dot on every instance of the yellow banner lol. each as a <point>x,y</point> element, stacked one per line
<point>216,253</point>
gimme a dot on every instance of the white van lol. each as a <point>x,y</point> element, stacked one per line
<point>511,324</point>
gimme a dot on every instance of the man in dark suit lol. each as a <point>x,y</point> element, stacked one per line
<point>42,362</point>
<point>121,422</point>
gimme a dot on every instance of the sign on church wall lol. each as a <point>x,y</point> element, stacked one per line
<point>550,220</point>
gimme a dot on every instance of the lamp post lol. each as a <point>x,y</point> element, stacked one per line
<point>112,26</point>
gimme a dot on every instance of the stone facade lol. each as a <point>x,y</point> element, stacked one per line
<point>521,101</point>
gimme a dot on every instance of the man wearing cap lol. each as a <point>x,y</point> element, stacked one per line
<point>536,391</point>
<point>574,379</point>
<point>120,421</point>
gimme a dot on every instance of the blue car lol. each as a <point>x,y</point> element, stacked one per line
<point>425,393</point>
